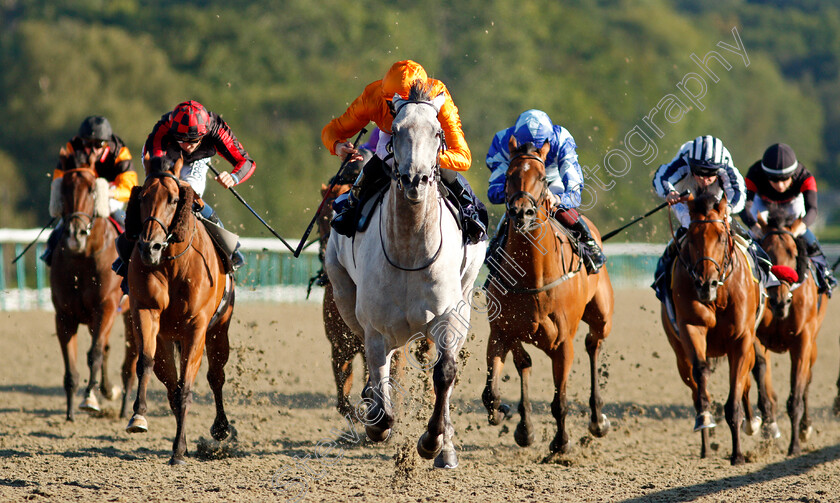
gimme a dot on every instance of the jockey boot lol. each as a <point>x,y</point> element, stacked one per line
<point>820,261</point>
<point>474,213</point>
<point>237,259</point>
<point>344,221</point>
<point>595,258</point>
<point>52,242</point>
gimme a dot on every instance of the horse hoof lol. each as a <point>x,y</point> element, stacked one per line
<point>447,459</point>
<point>737,459</point>
<point>90,403</point>
<point>177,461</point>
<point>112,394</point>
<point>837,405</point>
<point>771,431</point>
<point>704,420</point>
<point>523,435</point>
<point>805,433</point>
<point>601,428</point>
<point>137,424</point>
<point>376,434</point>
<point>220,433</point>
<point>429,453</point>
<point>751,427</point>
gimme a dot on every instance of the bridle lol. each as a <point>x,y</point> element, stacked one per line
<point>523,194</point>
<point>727,265</point>
<point>169,235</point>
<point>81,215</point>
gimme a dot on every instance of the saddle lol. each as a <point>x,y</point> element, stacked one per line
<point>223,240</point>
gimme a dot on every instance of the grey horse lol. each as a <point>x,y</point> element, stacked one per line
<point>409,275</point>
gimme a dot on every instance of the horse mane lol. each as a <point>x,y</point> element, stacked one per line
<point>704,203</point>
<point>524,149</point>
<point>180,226</point>
<point>419,91</point>
<point>777,218</point>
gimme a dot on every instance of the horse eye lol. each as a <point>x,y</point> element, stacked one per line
<point>174,201</point>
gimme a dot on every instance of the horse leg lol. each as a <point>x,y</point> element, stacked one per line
<point>496,353</point>
<point>561,365</point>
<point>218,352</point>
<point>599,425</point>
<point>109,391</point>
<point>191,352</point>
<point>146,326</point>
<point>379,416</point>
<point>741,360</point>
<point>800,375</point>
<point>524,433</point>
<point>100,330</point>
<point>129,366</point>
<point>66,330</point>
<point>806,429</point>
<point>766,396</point>
<point>598,315</point>
<point>693,341</point>
<point>343,352</point>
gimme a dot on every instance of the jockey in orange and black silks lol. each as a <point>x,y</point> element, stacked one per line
<point>375,105</point>
<point>112,162</point>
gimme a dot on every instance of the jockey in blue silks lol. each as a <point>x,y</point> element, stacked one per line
<point>563,174</point>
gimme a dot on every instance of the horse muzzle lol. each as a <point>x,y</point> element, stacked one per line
<point>151,252</point>
<point>414,189</point>
<point>707,290</point>
<point>780,303</point>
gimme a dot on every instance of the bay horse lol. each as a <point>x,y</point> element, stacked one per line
<point>344,344</point>
<point>543,293</point>
<point>180,295</point>
<point>791,324</point>
<point>84,289</point>
<point>716,302</point>
<point>408,275</point>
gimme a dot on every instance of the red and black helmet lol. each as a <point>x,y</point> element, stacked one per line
<point>190,121</point>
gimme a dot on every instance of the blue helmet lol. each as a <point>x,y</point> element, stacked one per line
<point>533,126</point>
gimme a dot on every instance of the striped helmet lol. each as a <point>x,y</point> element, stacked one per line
<point>779,162</point>
<point>706,155</point>
<point>533,126</point>
<point>189,121</point>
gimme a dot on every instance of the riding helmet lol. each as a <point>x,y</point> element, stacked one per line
<point>779,162</point>
<point>95,127</point>
<point>400,76</point>
<point>190,121</point>
<point>707,155</point>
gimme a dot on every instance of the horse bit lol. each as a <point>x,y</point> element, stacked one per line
<point>724,269</point>
<point>169,235</point>
<point>536,203</point>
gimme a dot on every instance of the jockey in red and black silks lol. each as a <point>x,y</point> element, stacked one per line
<point>779,181</point>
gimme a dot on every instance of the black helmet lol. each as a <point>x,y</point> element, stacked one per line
<point>95,127</point>
<point>707,155</point>
<point>779,162</point>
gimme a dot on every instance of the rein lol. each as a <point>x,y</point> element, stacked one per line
<point>536,225</point>
<point>81,214</point>
<point>169,235</point>
<point>434,257</point>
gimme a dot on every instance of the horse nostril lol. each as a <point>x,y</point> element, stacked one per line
<point>529,212</point>
<point>405,179</point>
<point>425,179</point>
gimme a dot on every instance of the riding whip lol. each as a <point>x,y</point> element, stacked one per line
<point>327,194</point>
<point>34,240</point>
<point>649,213</point>
<point>255,213</point>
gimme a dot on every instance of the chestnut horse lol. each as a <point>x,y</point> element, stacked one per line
<point>791,324</point>
<point>180,295</point>
<point>84,289</point>
<point>716,301</point>
<point>543,293</point>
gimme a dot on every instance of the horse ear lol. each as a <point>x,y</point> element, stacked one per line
<point>438,102</point>
<point>544,150</point>
<point>512,144</point>
<point>147,163</point>
<point>180,221</point>
<point>397,101</point>
<point>323,189</point>
<point>179,163</point>
<point>132,214</point>
<point>721,205</point>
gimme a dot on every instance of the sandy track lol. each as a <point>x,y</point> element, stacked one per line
<point>280,395</point>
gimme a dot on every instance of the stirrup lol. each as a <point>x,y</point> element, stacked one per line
<point>595,257</point>
<point>237,260</point>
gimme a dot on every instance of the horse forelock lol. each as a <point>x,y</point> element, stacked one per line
<point>160,164</point>
<point>778,218</point>
<point>703,204</point>
<point>419,91</point>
